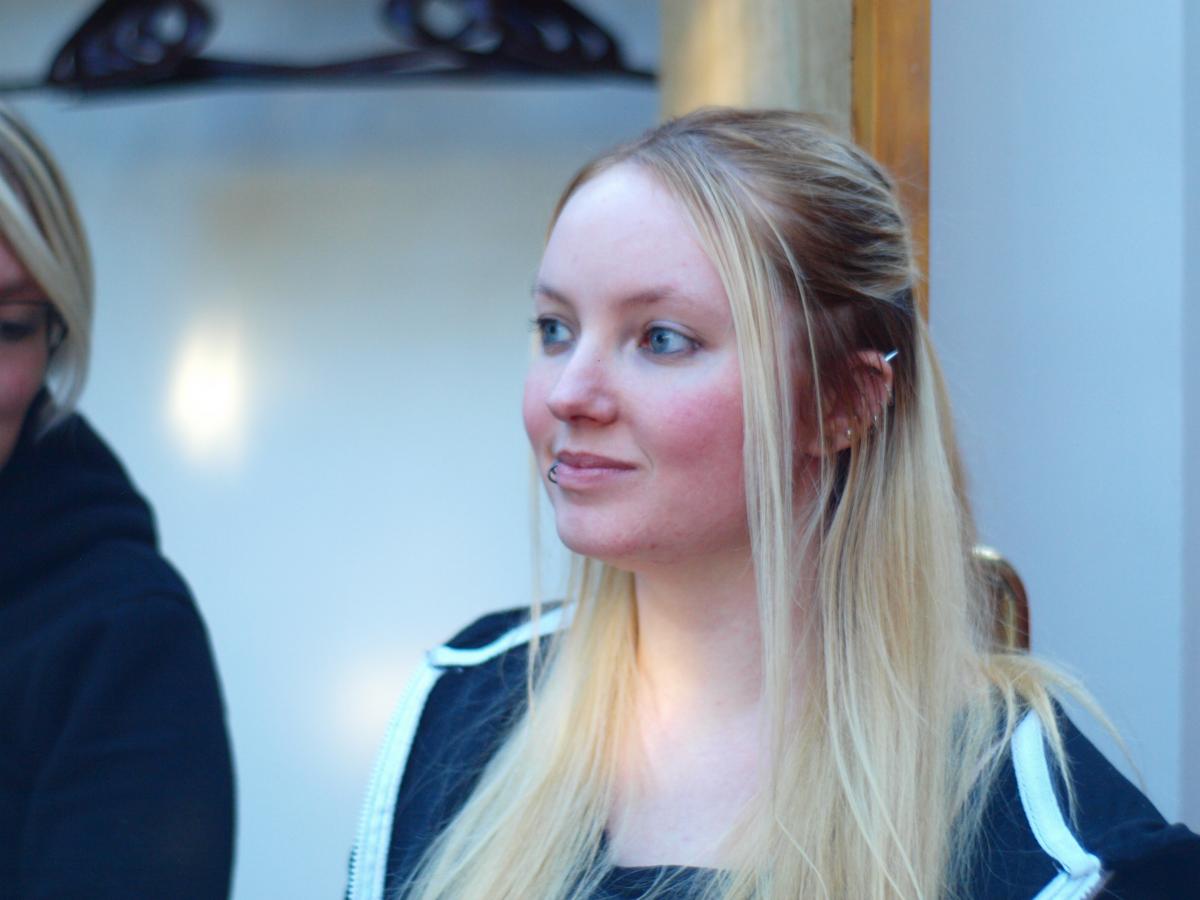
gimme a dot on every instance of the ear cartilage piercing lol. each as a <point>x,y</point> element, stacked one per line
<point>551,473</point>
<point>888,357</point>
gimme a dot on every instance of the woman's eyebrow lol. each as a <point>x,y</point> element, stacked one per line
<point>545,290</point>
<point>638,298</point>
<point>652,295</point>
<point>23,292</point>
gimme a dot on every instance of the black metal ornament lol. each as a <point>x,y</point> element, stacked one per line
<point>134,45</point>
<point>125,43</point>
<point>543,35</point>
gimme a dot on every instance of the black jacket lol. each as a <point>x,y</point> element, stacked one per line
<point>115,772</point>
<point>461,703</point>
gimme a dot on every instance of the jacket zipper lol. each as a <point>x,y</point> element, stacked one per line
<point>406,717</point>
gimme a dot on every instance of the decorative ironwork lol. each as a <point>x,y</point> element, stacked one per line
<point>128,45</point>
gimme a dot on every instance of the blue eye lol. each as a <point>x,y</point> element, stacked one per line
<point>662,341</point>
<point>552,331</point>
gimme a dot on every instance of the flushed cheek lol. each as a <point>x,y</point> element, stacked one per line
<point>696,495</point>
<point>699,427</point>
<point>539,423</point>
<point>699,441</point>
<point>20,379</point>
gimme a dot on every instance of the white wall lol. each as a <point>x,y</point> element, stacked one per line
<point>351,270</point>
<point>1056,279</point>
<point>1191,406</point>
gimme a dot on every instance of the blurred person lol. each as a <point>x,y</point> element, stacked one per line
<point>775,672</point>
<point>115,771</point>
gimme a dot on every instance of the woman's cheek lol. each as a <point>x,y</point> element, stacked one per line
<point>706,425</point>
<point>21,377</point>
<point>534,412</point>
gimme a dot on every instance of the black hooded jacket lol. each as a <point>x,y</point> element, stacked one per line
<point>115,770</point>
<point>462,701</point>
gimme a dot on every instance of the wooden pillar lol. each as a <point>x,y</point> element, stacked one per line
<point>891,103</point>
<point>861,64</point>
<point>793,54</point>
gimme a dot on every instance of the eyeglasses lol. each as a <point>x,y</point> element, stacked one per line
<point>22,321</point>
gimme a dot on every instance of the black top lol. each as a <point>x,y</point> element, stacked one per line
<point>115,771</point>
<point>470,708</point>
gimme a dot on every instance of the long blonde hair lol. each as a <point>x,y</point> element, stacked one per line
<point>880,768</point>
<point>38,220</point>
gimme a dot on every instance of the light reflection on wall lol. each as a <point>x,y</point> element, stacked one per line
<point>207,394</point>
<point>362,698</point>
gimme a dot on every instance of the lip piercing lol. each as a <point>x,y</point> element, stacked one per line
<point>552,474</point>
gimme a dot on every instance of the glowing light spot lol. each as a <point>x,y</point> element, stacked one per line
<point>207,399</point>
<point>361,701</point>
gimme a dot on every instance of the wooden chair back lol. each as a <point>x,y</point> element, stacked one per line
<point>1010,604</point>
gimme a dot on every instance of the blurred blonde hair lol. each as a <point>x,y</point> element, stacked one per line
<point>879,769</point>
<point>40,224</point>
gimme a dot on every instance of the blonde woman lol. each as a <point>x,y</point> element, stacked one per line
<point>772,676</point>
<point>115,773</point>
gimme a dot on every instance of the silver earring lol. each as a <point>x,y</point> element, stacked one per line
<point>551,473</point>
<point>888,357</point>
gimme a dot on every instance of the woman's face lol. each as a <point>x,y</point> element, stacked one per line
<point>24,349</point>
<point>635,390</point>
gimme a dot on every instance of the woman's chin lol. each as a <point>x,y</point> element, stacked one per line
<point>614,549</point>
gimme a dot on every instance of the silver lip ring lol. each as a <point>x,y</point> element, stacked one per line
<point>551,472</point>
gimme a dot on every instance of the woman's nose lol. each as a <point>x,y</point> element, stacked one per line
<point>584,388</point>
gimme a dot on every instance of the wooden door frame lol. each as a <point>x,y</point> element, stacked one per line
<point>890,106</point>
<point>863,65</point>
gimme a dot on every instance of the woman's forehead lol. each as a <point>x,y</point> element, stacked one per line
<point>623,231</point>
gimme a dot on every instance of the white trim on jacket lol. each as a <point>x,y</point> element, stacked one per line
<point>1080,874</point>
<point>368,860</point>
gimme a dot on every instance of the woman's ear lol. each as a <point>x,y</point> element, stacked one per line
<point>851,417</point>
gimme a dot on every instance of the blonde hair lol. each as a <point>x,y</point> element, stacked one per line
<point>39,222</point>
<point>880,768</point>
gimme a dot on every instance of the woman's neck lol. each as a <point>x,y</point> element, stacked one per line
<point>699,648</point>
<point>693,757</point>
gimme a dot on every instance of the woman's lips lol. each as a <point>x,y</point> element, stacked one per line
<point>575,471</point>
